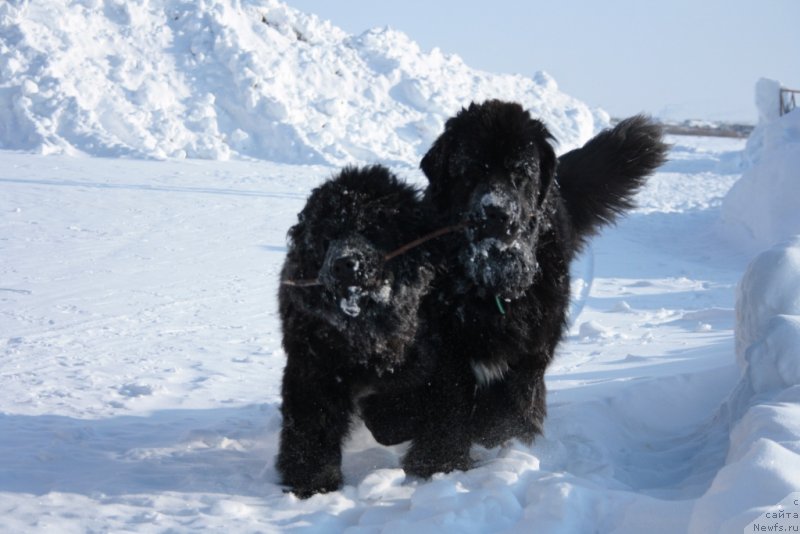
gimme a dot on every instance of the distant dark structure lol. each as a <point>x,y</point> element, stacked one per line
<point>788,100</point>
<point>705,128</point>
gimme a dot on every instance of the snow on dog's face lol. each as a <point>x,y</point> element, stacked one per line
<point>344,232</point>
<point>491,170</point>
<point>353,270</point>
<point>500,253</point>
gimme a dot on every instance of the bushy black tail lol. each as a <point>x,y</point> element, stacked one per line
<point>598,181</point>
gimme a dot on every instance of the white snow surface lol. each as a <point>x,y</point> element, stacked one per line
<point>140,366</point>
<point>214,79</point>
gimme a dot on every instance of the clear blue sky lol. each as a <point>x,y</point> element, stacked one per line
<point>676,58</point>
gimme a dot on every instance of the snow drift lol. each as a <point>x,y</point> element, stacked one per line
<point>762,207</point>
<point>769,288</point>
<point>762,412</point>
<point>762,466</point>
<point>255,78</point>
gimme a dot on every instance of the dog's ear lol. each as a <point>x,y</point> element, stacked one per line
<point>434,163</point>
<point>547,158</point>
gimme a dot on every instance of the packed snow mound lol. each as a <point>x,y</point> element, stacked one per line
<point>770,287</point>
<point>761,208</point>
<point>768,100</point>
<point>762,466</point>
<point>253,78</point>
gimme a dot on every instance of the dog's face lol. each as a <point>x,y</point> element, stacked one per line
<point>353,270</point>
<point>491,170</point>
<point>344,232</point>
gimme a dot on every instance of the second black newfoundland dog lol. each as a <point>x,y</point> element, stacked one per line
<point>349,312</point>
<point>499,302</point>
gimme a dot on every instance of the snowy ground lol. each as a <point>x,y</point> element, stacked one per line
<point>140,364</point>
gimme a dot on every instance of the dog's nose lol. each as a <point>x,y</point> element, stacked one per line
<point>496,218</point>
<point>346,269</point>
<point>494,222</point>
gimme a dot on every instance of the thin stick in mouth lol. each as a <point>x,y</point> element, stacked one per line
<point>310,282</point>
<point>417,242</point>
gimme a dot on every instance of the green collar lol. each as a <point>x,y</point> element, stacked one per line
<point>499,304</point>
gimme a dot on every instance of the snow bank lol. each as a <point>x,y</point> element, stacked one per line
<point>220,78</point>
<point>763,412</point>
<point>762,208</point>
<point>768,100</point>
<point>770,287</point>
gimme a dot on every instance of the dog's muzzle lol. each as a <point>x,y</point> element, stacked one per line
<point>350,271</point>
<point>494,215</point>
<point>500,258</point>
<point>347,270</point>
<point>346,265</point>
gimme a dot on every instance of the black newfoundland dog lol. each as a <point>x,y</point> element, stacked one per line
<point>498,306</point>
<point>348,308</point>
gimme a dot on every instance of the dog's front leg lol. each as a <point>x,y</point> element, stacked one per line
<point>316,417</point>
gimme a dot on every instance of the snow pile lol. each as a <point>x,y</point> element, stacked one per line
<point>763,461</point>
<point>762,208</point>
<point>769,288</point>
<point>768,100</point>
<point>255,78</point>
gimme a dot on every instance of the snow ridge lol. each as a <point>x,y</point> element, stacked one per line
<point>762,410</point>
<point>761,209</point>
<point>214,79</point>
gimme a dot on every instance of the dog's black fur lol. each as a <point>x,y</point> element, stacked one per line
<point>347,333</point>
<point>499,308</point>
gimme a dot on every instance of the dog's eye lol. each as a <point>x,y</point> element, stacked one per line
<point>531,168</point>
<point>518,180</point>
<point>527,165</point>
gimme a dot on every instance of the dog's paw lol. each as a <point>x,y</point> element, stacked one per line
<point>325,480</point>
<point>424,463</point>
<point>506,428</point>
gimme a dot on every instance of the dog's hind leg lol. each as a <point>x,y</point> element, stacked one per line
<point>392,418</point>
<point>512,409</point>
<point>442,442</point>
